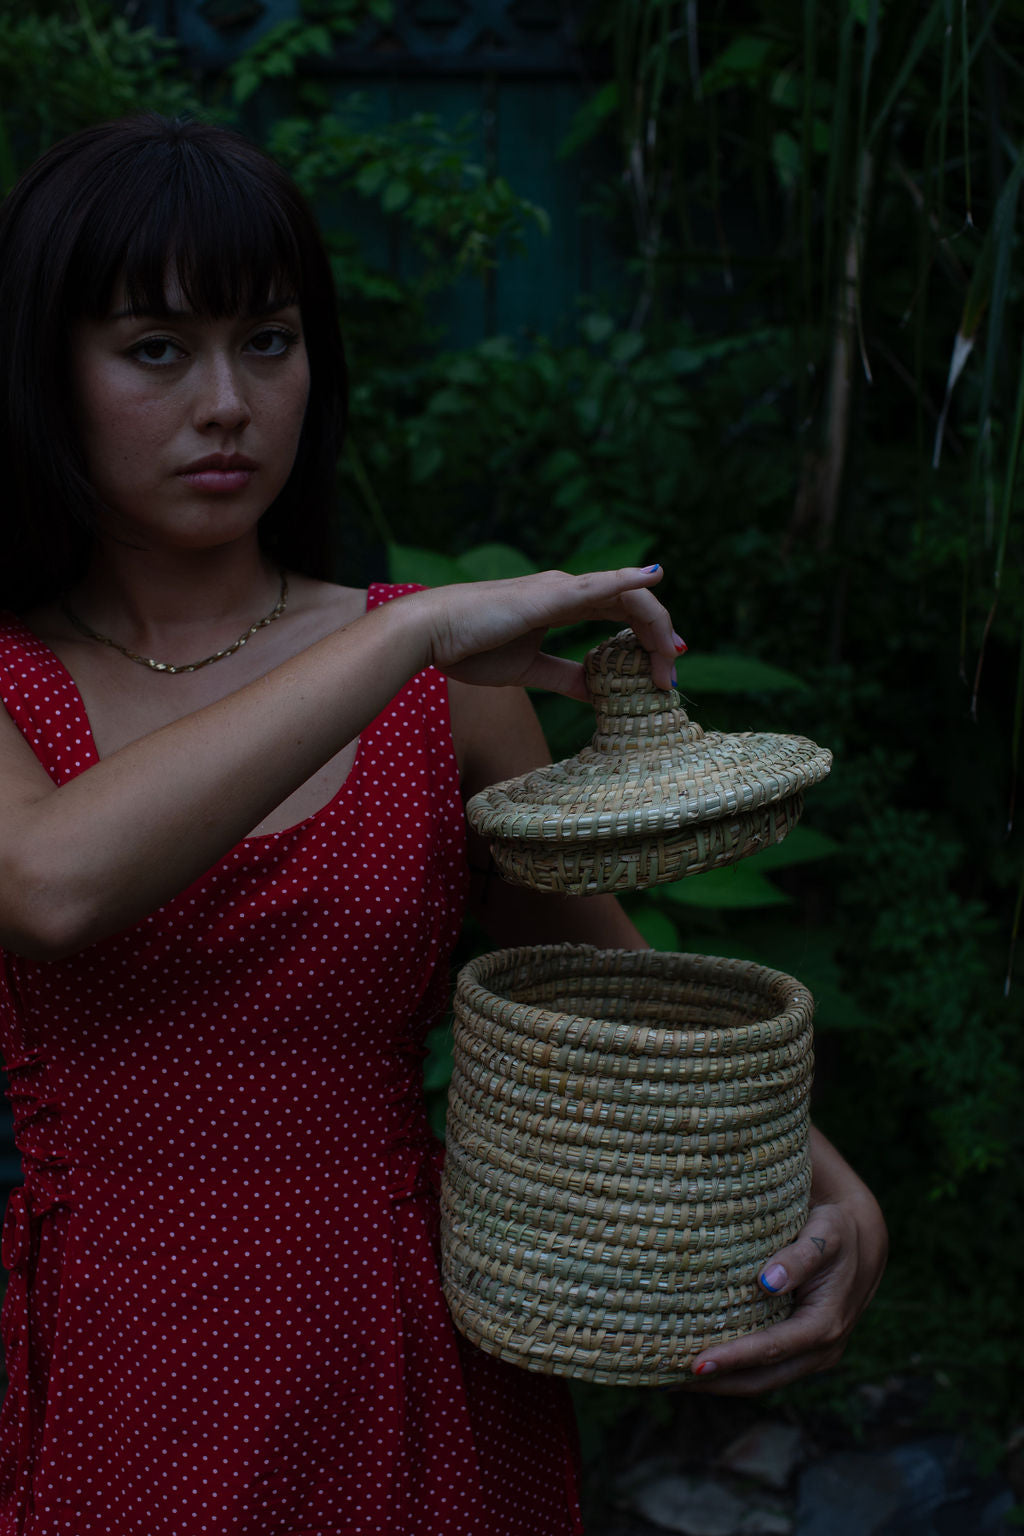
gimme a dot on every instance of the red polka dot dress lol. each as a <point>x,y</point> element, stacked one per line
<point>224,1314</point>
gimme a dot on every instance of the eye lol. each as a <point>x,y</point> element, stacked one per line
<point>274,341</point>
<point>157,351</point>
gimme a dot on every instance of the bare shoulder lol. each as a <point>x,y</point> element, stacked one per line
<point>323,605</point>
<point>496,732</point>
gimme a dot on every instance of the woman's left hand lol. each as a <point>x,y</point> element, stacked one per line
<point>832,1269</point>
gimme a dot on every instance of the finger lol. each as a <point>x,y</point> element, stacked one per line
<point>601,586</point>
<point>557,675</point>
<point>625,596</point>
<point>754,1382</point>
<point>652,625</point>
<point>759,1362</point>
<point>816,1246</point>
<point>799,1335</point>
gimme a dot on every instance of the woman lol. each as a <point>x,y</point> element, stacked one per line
<point>232,868</point>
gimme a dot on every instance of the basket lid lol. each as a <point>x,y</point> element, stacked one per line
<point>649,770</point>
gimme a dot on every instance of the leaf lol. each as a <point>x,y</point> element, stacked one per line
<point>396,195</point>
<point>689,359</point>
<point>787,159</point>
<point>801,846</point>
<point>990,283</point>
<point>495,562</point>
<point>597,328</point>
<point>808,954</point>
<point>498,349</point>
<point>371,178</point>
<point>734,674</point>
<point>424,566</point>
<point>246,82</point>
<point>963,346</point>
<point>560,464</point>
<point>427,458</point>
<point>733,887</point>
<point>568,724</point>
<point>608,557</point>
<point>625,347</point>
<point>588,120</point>
<point>572,492</point>
<point>437,1069</point>
<point>741,62</point>
<point>657,927</point>
<point>465,370</point>
<point>447,402</point>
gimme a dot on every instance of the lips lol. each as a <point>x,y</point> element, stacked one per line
<point>220,473</point>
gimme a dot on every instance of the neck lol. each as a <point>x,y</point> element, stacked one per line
<point>167,605</point>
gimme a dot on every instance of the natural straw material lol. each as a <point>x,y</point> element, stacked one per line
<point>627,1145</point>
<point>652,798</point>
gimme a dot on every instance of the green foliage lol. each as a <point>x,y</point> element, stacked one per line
<point>281,51</point>
<point>738,885</point>
<point>65,68</point>
<point>456,213</point>
<point>486,562</point>
<point>584,447</point>
<point>922,950</point>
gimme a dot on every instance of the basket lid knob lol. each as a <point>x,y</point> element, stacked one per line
<point>632,714</point>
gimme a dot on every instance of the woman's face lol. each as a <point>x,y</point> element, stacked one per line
<point>189,426</point>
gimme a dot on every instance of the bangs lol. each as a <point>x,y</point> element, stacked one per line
<point>218,236</point>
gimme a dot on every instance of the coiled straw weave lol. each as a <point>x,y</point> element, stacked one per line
<point>627,1144</point>
<point>652,798</point>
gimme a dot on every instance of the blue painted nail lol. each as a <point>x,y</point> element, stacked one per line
<point>651,568</point>
<point>774,1279</point>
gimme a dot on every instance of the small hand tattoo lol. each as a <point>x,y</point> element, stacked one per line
<point>819,1243</point>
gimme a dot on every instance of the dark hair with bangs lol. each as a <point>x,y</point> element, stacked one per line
<point>119,207</point>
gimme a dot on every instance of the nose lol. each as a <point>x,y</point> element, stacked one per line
<point>221,399</point>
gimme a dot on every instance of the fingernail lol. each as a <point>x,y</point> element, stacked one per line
<point>774,1279</point>
<point>705,1368</point>
<point>651,568</point>
<point>679,643</point>
<point>674,678</point>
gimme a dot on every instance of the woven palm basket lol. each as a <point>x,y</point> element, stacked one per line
<point>652,798</point>
<point>627,1144</point>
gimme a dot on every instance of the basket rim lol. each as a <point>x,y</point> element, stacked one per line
<point>478,980</point>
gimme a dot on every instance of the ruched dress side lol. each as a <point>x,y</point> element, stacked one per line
<point>224,1314</point>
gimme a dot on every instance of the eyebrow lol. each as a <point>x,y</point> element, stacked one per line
<point>272,308</point>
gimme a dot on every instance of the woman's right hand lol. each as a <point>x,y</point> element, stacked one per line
<point>491,632</point>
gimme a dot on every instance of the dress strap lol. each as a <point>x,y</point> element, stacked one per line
<point>40,695</point>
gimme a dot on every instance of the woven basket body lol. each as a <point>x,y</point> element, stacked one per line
<point>627,1144</point>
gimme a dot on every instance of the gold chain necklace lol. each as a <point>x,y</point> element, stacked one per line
<point>192,666</point>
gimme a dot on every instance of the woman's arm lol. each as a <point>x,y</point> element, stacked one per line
<point>834,1266</point>
<point>89,858</point>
